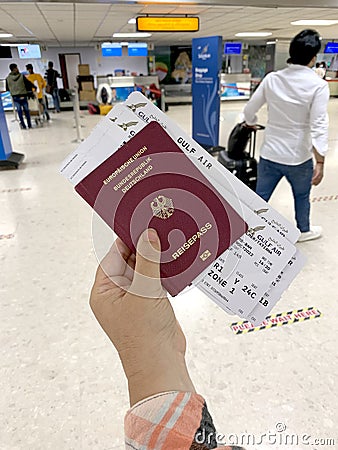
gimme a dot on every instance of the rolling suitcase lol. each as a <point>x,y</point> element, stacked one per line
<point>244,166</point>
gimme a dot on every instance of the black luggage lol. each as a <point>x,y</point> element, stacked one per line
<point>244,166</point>
<point>245,169</point>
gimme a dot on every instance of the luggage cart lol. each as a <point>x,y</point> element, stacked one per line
<point>36,110</point>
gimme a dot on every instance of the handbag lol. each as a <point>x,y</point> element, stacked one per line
<point>49,89</point>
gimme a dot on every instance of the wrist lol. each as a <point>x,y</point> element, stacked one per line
<point>164,375</point>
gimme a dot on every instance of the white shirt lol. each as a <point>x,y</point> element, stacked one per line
<point>297,114</point>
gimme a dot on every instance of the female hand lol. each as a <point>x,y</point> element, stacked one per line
<point>131,306</point>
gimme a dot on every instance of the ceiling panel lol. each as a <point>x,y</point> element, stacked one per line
<point>55,22</point>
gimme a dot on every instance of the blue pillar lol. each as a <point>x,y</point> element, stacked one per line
<point>8,158</point>
<point>206,66</point>
<point>5,143</point>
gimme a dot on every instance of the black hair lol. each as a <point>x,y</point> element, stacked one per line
<point>12,66</point>
<point>50,64</point>
<point>304,47</point>
<point>29,66</point>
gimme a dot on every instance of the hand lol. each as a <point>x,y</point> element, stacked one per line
<point>131,306</point>
<point>253,127</point>
<point>318,173</point>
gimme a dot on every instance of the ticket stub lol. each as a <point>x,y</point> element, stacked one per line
<point>279,285</point>
<point>272,296</point>
<point>113,131</point>
<point>210,167</point>
<point>243,274</point>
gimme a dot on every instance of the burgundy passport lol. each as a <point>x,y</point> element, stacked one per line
<point>150,183</point>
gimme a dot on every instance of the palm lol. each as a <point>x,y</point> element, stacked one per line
<point>121,312</point>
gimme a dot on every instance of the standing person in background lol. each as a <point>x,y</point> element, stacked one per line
<point>297,128</point>
<point>20,89</point>
<point>320,71</point>
<point>37,79</point>
<point>51,76</point>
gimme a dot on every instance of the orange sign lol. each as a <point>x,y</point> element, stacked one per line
<point>168,23</point>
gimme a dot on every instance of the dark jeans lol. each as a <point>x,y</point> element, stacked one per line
<point>299,177</point>
<point>21,103</point>
<point>56,98</point>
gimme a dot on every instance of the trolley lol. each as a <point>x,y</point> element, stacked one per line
<point>36,110</point>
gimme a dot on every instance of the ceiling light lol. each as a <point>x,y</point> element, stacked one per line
<point>315,22</point>
<point>5,35</point>
<point>254,34</point>
<point>132,21</point>
<point>271,42</point>
<point>12,45</point>
<point>131,35</point>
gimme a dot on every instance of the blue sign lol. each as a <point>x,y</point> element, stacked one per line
<point>6,99</point>
<point>206,66</point>
<point>233,48</point>
<point>5,143</point>
<point>138,49</point>
<point>331,47</point>
<point>111,49</point>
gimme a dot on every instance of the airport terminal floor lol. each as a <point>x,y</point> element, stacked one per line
<point>62,385</point>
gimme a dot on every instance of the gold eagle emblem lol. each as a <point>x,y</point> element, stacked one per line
<point>134,106</point>
<point>252,231</point>
<point>261,211</point>
<point>162,207</point>
<point>125,126</point>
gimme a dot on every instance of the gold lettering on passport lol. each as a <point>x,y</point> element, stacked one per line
<point>205,255</point>
<point>162,207</point>
<point>192,240</point>
<point>125,165</point>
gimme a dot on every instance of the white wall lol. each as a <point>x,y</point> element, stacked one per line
<point>88,55</point>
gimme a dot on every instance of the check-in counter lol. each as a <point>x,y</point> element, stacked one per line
<point>178,93</point>
<point>333,86</point>
<point>235,86</point>
<point>121,87</point>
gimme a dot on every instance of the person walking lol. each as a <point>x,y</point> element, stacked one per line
<point>297,128</point>
<point>51,76</point>
<point>20,88</point>
<point>40,83</point>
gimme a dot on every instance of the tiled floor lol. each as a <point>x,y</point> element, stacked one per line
<point>62,386</point>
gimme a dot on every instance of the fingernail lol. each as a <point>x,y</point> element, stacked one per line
<point>151,235</point>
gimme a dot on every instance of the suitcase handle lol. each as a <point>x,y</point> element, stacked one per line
<point>252,147</point>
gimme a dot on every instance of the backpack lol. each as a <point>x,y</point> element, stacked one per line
<point>238,141</point>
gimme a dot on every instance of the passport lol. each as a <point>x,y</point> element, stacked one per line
<point>150,183</point>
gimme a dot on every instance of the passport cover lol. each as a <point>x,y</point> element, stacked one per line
<point>150,183</point>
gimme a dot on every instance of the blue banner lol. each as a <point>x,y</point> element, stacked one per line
<point>206,65</point>
<point>5,143</point>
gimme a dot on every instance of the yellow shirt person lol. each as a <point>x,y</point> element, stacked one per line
<point>38,80</point>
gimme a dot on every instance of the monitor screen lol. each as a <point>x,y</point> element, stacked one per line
<point>233,48</point>
<point>331,47</point>
<point>5,52</point>
<point>111,49</point>
<point>29,51</point>
<point>138,49</point>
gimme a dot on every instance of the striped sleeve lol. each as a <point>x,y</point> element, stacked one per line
<point>170,420</point>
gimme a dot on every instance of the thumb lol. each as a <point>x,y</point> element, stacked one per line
<point>147,279</point>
